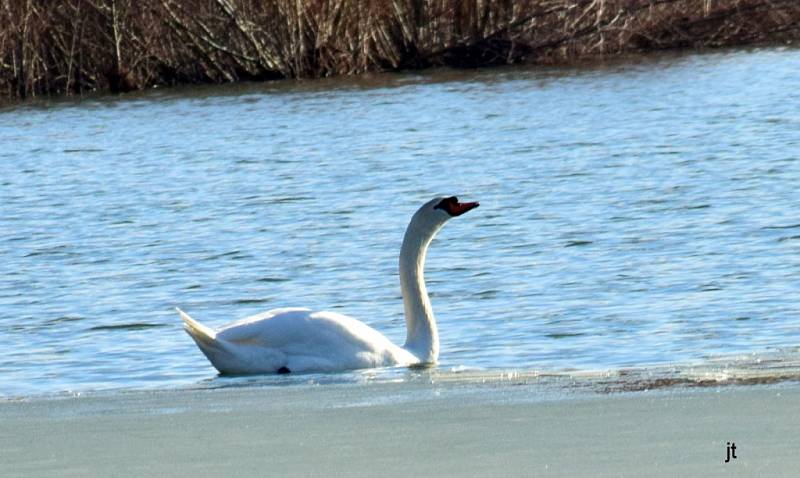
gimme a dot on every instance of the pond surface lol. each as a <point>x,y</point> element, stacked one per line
<point>641,214</point>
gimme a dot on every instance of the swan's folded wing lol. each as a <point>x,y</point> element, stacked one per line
<point>263,329</point>
<point>301,331</point>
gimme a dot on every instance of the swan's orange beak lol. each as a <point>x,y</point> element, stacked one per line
<point>460,208</point>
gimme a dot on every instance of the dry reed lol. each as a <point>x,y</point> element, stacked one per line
<point>72,46</point>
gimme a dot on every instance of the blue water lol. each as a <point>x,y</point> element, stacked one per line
<point>632,215</point>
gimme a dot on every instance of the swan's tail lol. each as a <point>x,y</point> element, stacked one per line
<point>200,333</point>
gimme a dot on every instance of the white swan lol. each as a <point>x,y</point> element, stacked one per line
<point>300,340</point>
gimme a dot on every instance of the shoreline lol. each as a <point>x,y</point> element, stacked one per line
<point>422,429</point>
<point>777,368</point>
<point>721,372</point>
<point>392,78</point>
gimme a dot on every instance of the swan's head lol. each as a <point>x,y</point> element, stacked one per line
<point>451,207</point>
<point>434,213</point>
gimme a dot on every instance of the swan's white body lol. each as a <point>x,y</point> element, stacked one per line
<point>297,340</point>
<point>301,340</point>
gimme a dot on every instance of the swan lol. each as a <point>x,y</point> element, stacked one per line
<point>301,340</point>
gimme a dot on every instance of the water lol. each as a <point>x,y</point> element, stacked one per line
<point>643,214</point>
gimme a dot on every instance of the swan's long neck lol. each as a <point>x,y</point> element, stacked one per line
<point>422,337</point>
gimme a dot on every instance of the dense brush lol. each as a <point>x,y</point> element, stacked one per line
<point>78,45</point>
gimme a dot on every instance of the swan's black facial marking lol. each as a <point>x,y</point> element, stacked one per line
<point>454,208</point>
<point>447,204</point>
<point>284,370</point>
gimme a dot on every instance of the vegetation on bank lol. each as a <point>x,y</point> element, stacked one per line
<point>72,46</point>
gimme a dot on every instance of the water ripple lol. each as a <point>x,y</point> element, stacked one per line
<point>632,217</point>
